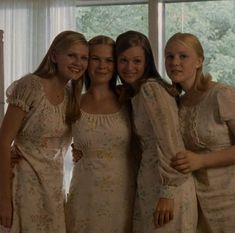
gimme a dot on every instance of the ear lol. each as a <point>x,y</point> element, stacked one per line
<point>199,62</point>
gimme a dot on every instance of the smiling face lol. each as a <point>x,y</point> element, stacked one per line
<point>72,62</point>
<point>101,63</point>
<point>131,64</point>
<point>182,63</point>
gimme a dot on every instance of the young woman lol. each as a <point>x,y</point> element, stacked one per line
<point>207,118</point>
<point>166,200</point>
<point>37,122</point>
<point>102,188</point>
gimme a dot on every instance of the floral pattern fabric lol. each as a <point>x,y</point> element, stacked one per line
<point>38,193</point>
<point>210,126</point>
<point>157,124</point>
<point>102,188</point>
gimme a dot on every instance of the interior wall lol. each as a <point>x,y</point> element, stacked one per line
<point>1,78</point>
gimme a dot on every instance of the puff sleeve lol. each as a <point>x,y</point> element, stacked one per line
<point>21,93</point>
<point>226,106</point>
<point>162,111</point>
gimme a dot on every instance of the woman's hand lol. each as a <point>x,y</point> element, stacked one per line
<point>187,161</point>
<point>164,212</point>
<point>15,156</point>
<point>5,213</point>
<point>77,154</point>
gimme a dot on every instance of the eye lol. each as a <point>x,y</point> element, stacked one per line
<point>94,59</point>
<point>110,60</point>
<point>183,56</point>
<point>169,57</point>
<point>71,55</point>
<point>122,60</point>
<point>137,61</point>
<point>84,58</point>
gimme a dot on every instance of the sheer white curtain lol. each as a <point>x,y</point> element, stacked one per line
<point>29,27</point>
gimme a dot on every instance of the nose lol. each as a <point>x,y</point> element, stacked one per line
<point>175,60</point>
<point>129,65</point>
<point>79,60</point>
<point>102,63</point>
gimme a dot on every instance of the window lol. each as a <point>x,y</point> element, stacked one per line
<point>212,21</point>
<point>112,20</point>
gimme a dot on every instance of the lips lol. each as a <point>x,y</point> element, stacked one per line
<point>99,73</point>
<point>176,72</point>
<point>128,75</point>
<point>75,70</point>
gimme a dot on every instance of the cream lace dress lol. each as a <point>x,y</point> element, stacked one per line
<point>156,122</point>
<point>38,193</point>
<point>210,126</point>
<point>102,188</point>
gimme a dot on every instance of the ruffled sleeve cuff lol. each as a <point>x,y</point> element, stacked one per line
<point>21,93</point>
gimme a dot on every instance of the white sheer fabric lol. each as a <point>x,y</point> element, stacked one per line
<point>29,27</point>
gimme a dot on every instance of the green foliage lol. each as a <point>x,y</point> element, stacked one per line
<point>112,20</point>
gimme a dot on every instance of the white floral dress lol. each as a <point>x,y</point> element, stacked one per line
<point>156,122</point>
<point>102,188</point>
<point>210,126</point>
<point>38,193</point>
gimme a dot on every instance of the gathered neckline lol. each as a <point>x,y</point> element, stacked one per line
<point>101,114</point>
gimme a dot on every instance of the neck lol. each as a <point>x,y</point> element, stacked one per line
<point>100,91</point>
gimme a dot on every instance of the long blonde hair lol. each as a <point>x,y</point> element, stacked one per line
<point>48,69</point>
<point>202,80</point>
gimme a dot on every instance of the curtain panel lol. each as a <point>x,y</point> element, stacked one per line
<point>29,27</point>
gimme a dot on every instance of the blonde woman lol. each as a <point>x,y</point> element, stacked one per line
<point>102,188</point>
<point>207,120</point>
<point>41,108</point>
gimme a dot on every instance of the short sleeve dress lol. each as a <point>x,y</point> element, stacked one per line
<point>210,126</point>
<point>157,124</point>
<point>38,192</point>
<point>102,188</point>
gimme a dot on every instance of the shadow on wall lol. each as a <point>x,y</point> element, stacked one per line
<point>2,91</point>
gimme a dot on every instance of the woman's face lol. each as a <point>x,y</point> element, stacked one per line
<point>72,62</point>
<point>182,63</point>
<point>101,64</point>
<point>131,64</point>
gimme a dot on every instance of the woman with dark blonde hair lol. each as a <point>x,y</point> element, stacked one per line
<point>207,120</point>
<point>165,200</point>
<point>102,188</point>
<point>41,107</point>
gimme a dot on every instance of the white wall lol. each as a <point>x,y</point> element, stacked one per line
<point>1,78</point>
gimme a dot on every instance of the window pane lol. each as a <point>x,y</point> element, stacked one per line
<point>112,20</point>
<point>213,23</point>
